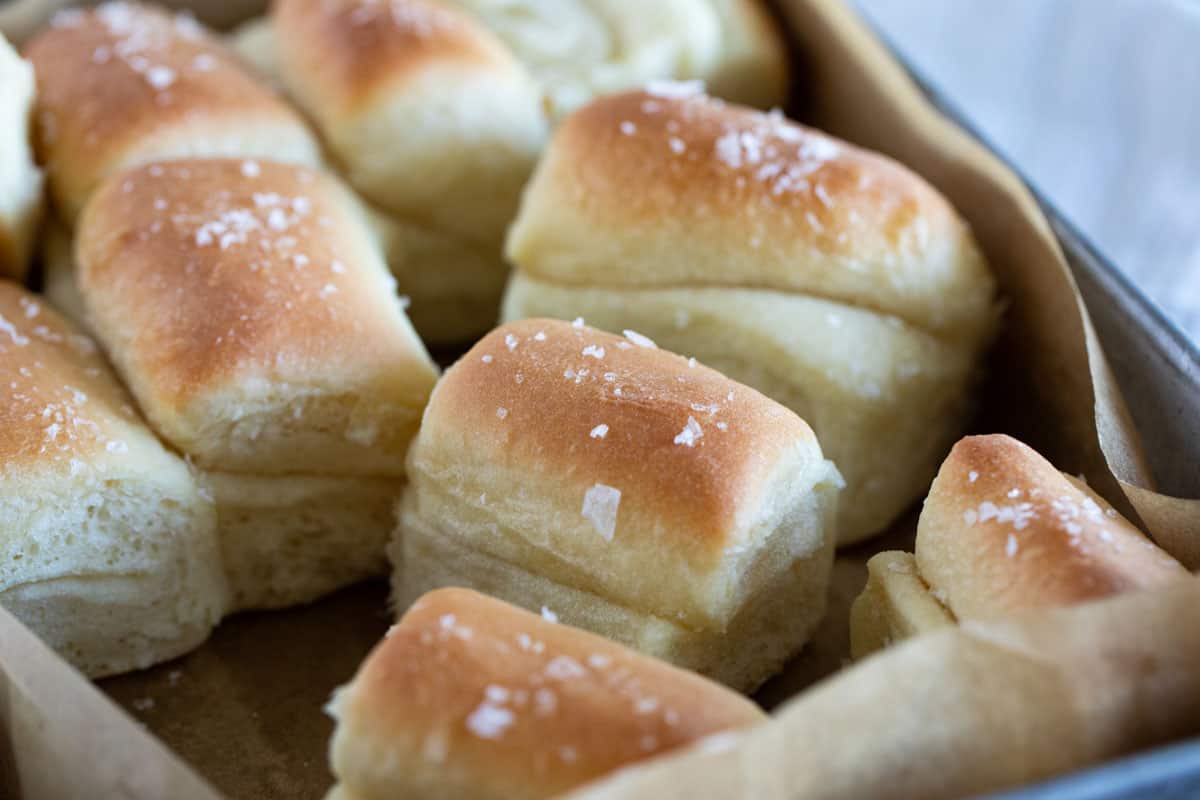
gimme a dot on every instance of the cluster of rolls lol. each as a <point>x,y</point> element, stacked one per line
<point>231,408</point>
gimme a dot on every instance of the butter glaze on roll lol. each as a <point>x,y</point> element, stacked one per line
<point>633,492</point>
<point>471,698</point>
<point>20,179</point>
<point>108,548</point>
<point>249,310</point>
<point>1003,531</point>
<point>125,84</point>
<point>832,279</point>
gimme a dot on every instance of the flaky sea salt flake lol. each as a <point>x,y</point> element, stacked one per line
<point>600,506</point>
<point>691,433</point>
<point>639,339</point>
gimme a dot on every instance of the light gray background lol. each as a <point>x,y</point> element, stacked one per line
<point>1097,101</point>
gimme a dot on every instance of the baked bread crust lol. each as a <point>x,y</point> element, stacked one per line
<point>125,83</point>
<point>470,697</point>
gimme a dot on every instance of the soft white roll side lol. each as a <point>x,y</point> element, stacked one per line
<point>108,548</point>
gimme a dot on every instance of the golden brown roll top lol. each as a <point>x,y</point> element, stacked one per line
<point>64,411</point>
<point>469,697</point>
<point>1003,531</point>
<point>20,180</point>
<point>427,112</point>
<point>667,187</point>
<point>125,84</point>
<point>249,310</point>
<point>605,455</point>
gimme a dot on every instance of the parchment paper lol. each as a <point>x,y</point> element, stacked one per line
<point>245,709</point>
<point>60,738</point>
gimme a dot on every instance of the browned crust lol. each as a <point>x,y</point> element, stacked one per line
<point>200,274</point>
<point>675,188</point>
<point>62,400</point>
<point>113,78</point>
<point>531,398</point>
<point>347,50</point>
<point>567,705</point>
<point>1003,530</point>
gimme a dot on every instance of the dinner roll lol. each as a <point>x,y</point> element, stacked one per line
<point>633,492</point>
<point>831,279</point>
<point>108,549</point>
<point>285,349</point>
<point>453,285</point>
<point>581,49</point>
<point>434,121</point>
<point>967,711</point>
<point>468,697</point>
<point>20,179</point>
<point>125,84</point>
<point>1003,531</point>
<point>284,366</point>
<point>421,106</point>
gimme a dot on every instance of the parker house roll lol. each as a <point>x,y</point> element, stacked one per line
<point>453,284</point>
<point>126,84</point>
<point>108,550</point>
<point>436,123</point>
<point>20,179</point>
<point>831,279</point>
<point>249,311</point>
<point>1002,531</point>
<point>630,491</point>
<point>970,710</point>
<point>471,698</point>
<point>581,49</point>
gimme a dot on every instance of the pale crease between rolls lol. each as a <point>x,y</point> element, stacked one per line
<point>1002,531</point>
<point>59,283</point>
<point>20,179</point>
<point>469,697</point>
<point>109,550</point>
<point>249,310</point>
<point>832,279</point>
<point>125,84</point>
<point>976,708</point>
<point>633,492</point>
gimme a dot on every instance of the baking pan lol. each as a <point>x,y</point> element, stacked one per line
<point>1158,366</point>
